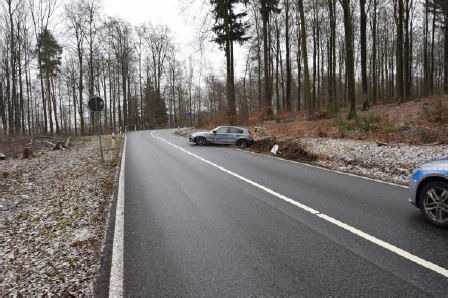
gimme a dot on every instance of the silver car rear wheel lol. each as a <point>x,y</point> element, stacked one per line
<point>434,202</point>
<point>241,144</point>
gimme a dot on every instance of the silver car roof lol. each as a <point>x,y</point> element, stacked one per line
<point>232,127</point>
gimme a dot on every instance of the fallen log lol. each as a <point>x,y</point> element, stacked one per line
<point>59,146</point>
<point>379,143</point>
<point>50,144</point>
<point>55,146</point>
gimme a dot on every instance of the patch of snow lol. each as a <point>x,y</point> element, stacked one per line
<point>82,235</point>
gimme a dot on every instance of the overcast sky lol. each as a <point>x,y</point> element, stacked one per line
<point>183,17</point>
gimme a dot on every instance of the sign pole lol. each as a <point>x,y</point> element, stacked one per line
<point>99,138</point>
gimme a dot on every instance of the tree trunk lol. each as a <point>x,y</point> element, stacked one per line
<point>332,87</point>
<point>425,50</point>
<point>278,53</point>
<point>21,97</point>
<point>125,93</point>
<point>298,63</point>
<point>229,51</point>
<point>346,5</point>
<point>15,115</point>
<point>399,8</point>
<point>288,87</point>
<point>268,110</point>
<point>432,53</point>
<point>445,51</point>
<point>363,54</point>
<point>306,88</point>
<point>406,59</point>
<point>374,54</point>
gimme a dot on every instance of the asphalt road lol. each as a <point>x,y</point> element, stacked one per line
<point>193,229</point>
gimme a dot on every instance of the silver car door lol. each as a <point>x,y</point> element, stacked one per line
<point>234,135</point>
<point>221,135</point>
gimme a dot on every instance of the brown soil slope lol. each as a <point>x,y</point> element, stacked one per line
<point>421,121</point>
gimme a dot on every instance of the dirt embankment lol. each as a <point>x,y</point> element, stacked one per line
<point>53,210</point>
<point>387,142</point>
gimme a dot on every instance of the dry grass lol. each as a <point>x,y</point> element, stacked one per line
<point>420,121</point>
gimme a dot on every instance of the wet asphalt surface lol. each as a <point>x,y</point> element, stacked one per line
<point>192,230</point>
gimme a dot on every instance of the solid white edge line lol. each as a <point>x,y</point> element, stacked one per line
<point>387,246</point>
<point>325,169</point>
<point>116,278</point>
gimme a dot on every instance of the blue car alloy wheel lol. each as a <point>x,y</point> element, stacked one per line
<point>433,202</point>
<point>428,190</point>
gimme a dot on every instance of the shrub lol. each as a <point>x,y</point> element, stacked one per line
<point>368,123</point>
<point>365,123</point>
<point>434,112</point>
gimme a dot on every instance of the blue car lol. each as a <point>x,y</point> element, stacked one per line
<point>428,191</point>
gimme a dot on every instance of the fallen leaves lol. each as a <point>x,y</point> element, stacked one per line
<point>52,219</point>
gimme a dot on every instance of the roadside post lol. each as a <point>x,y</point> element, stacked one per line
<point>96,105</point>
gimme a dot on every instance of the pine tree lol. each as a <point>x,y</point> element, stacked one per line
<point>50,52</point>
<point>229,27</point>
<point>267,7</point>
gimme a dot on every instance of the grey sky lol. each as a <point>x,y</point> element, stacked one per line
<point>183,17</point>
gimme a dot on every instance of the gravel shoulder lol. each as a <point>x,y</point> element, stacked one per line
<point>391,163</point>
<point>387,162</point>
<point>53,212</point>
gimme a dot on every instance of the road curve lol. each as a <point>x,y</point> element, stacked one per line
<point>192,229</point>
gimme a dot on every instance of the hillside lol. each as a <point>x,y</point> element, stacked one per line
<point>417,122</point>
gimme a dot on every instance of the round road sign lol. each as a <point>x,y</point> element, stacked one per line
<point>96,104</point>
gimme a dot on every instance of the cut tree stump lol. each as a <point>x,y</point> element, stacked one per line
<point>67,142</point>
<point>27,152</point>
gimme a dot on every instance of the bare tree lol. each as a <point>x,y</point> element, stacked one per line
<point>346,5</point>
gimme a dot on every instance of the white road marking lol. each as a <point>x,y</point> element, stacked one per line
<point>390,247</point>
<point>386,245</point>
<point>325,169</point>
<point>116,279</point>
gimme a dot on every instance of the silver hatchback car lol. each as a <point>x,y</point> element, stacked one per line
<point>226,135</point>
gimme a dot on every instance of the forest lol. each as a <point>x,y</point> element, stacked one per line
<point>315,57</point>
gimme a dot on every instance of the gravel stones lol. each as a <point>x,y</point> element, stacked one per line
<point>392,163</point>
